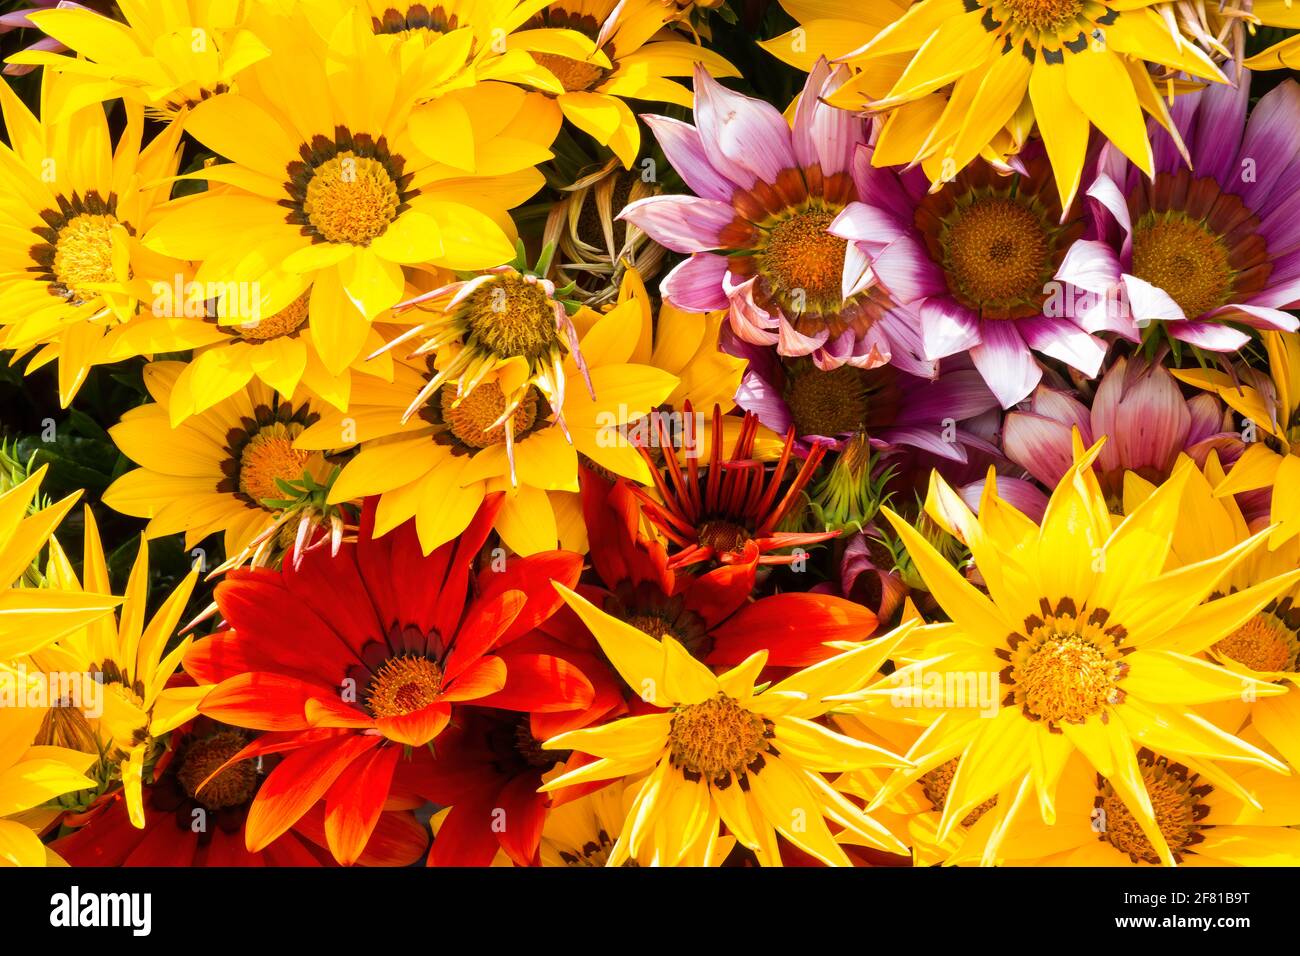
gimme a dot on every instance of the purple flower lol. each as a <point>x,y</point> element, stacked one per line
<point>976,259</point>
<point>1201,249</point>
<point>757,229</point>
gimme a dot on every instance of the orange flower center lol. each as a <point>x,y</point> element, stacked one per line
<point>404,685</point>
<point>1176,799</point>
<point>997,253</point>
<point>717,739</point>
<point>511,316</point>
<point>1185,259</point>
<point>1263,643</point>
<point>285,322</point>
<point>804,263</point>
<point>576,76</point>
<point>472,419</point>
<point>83,255</point>
<point>269,457</point>
<point>938,782</point>
<point>351,198</point>
<point>1044,16</point>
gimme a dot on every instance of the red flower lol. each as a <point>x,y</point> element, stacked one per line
<point>734,506</point>
<point>195,817</point>
<point>351,659</point>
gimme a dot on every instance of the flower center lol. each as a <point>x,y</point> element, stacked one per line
<point>351,198</point>
<point>717,739</point>
<point>471,419</point>
<point>230,788</point>
<point>404,685</point>
<point>723,537</point>
<point>938,781</point>
<point>575,76</point>
<point>803,263</point>
<point>83,255</point>
<point>1043,16</point>
<point>285,322</point>
<point>269,456</point>
<point>652,624</point>
<point>1067,668</point>
<point>1184,258</point>
<point>828,403</point>
<point>1176,799</point>
<point>1264,643</point>
<point>512,316</point>
<point>997,253</point>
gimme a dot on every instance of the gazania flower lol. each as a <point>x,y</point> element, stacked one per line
<point>718,512</point>
<point>1268,401</point>
<point>1284,53</point>
<point>438,465</point>
<point>31,618</point>
<point>71,265</point>
<point>722,751</point>
<point>1140,410</point>
<point>127,655</point>
<point>599,51</point>
<point>1201,250</point>
<point>757,228</point>
<point>337,201</point>
<point>17,20</point>
<point>1265,647</point>
<point>30,776</point>
<point>168,56</point>
<point>1086,640</point>
<point>975,258</point>
<point>216,471</point>
<point>197,804</point>
<point>1245,816</point>
<point>385,644</point>
<point>1072,65</point>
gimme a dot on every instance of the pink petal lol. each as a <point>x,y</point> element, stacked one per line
<point>745,139</point>
<point>695,285</point>
<point>685,153</point>
<point>680,223</point>
<point>947,327</point>
<point>1005,361</point>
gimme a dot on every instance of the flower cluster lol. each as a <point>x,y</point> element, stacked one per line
<point>516,433</point>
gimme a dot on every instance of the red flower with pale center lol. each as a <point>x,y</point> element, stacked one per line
<point>717,513</point>
<point>194,816</point>
<point>349,660</point>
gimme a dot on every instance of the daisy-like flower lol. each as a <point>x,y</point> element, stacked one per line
<point>127,655</point>
<point>197,803</point>
<point>1066,65</point>
<point>1267,646</point>
<point>385,643</point>
<point>1197,252</point>
<point>30,617</point>
<point>17,20</point>
<point>1083,644</point>
<point>168,55</point>
<point>723,510</point>
<point>757,230</point>
<point>1244,817</point>
<point>71,265</point>
<point>721,750</point>
<point>598,51</point>
<point>333,202</point>
<point>438,465</point>
<point>1269,402</point>
<point>1140,410</point>
<point>217,470</point>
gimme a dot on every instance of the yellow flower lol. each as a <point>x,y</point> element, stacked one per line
<point>1269,402</point>
<point>600,51</point>
<point>31,618</point>
<point>126,657</point>
<point>438,465</point>
<point>723,751</point>
<point>216,470</point>
<point>1083,644</point>
<point>71,265</point>
<point>30,776</point>
<point>333,188</point>
<point>1067,65</point>
<point>168,56</point>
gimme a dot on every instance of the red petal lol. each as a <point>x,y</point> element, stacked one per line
<point>543,683</point>
<point>485,622</point>
<point>523,813</point>
<point>486,675</point>
<point>534,576</point>
<point>354,802</point>
<point>418,728</point>
<point>793,628</point>
<point>262,701</point>
<point>466,837</point>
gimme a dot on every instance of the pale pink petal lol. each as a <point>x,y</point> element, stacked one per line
<point>1041,446</point>
<point>685,153</point>
<point>695,285</point>
<point>1005,361</point>
<point>745,139</point>
<point>680,223</point>
<point>947,327</point>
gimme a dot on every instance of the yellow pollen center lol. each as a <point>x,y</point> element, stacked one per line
<point>287,320</point>
<point>1066,677</point>
<point>1263,644</point>
<point>511,316</point>
<point>230,788</point>
<point>1043,16</point>
<point>270,455</point>
<point>996,253</point>
<point>1185,259</point>
<point>936,785</point>
<point>403,686</point>
<point>804,263</point>
<point>471,420</point>
<point>1175,798</point>
<point>716,738</point>
<point>575,76</point>
<point>828,403</point>
<point>83,254</point>
<point>351,198</point>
